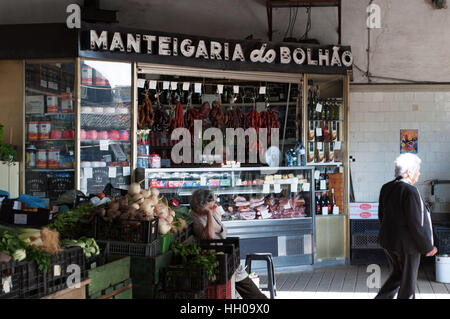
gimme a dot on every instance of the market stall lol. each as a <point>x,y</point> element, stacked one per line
<point>101,108</point>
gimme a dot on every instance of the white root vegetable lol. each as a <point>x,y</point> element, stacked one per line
<point>172,213</point>
<point>153,200</point>
<point>146,193</point>
<point>163,227</point>
<point>135,205</point>
<point>134,188</point>
<point>138,198</point>
<point>155,192</point>
<point>170,219</point>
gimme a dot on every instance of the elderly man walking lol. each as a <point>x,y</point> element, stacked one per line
<point>406,229</point>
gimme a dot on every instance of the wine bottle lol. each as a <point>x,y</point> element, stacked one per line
<point>323,113</point>
<point>325,204</point>
<point>319,204</point>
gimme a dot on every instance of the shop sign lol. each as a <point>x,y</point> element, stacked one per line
<point>181,46</point>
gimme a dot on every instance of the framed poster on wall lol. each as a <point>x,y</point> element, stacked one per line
<point>409,141</point>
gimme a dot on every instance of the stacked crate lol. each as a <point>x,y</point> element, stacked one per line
<point>364,246</point>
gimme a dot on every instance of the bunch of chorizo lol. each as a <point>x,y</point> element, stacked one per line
<point>146,115</point>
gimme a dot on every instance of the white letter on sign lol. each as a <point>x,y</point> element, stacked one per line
<point>99,42</point>
<point>74,18</point>
<point>285,55</point>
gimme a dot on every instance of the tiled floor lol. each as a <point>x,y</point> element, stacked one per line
<point>347,282</point>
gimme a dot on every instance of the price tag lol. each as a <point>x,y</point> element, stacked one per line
<point>53,85</point>
<point>104,145</point>
<point>203,180</point>
<point>306,187</point>
<point>262,90</point>
<point>277,188</point>
<point>318,131</point>
<point>173,85</point>
<point>323,184</point>
<point>186,86</point>
<point>287,206</point>
<point>20,219</point>
<point>126,171</point>
<point>152,85</point>
<point>236,89</point>
<point>318,107</point>
<point>316,174</point>
<point>56,270</point>
<point>319,146</point>
<point>198,88</point>
<point>44,83</point>
<point>87,172</point>
<point>166,85</point>
<point>266,188</point>
<point>294,187</point>
<point>112,172</point>
<point>140,83</point>
<point>7,284</point>
<point>324,210</point>
<point>335,210</point>
<point>93,265</point>
<point>337,145</point>
<point>17,205</point>
<point>220,88</point>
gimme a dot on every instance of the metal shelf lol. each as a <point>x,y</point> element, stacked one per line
<point>228,169</point>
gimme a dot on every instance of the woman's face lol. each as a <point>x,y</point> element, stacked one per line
<point>209,207</point>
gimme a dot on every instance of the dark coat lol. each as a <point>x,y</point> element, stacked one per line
<point>404,223</point>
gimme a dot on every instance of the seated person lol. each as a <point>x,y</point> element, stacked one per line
<point>207,225</point>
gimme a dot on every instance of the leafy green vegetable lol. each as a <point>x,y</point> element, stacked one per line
<point>12,245</point>
<point>74,223</point>
<point>89,245</point>
<point>191,255</point>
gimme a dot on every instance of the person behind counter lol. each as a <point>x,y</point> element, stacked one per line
<point>207,224</point>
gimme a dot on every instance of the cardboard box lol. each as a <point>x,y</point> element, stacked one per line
<point>363,210</point>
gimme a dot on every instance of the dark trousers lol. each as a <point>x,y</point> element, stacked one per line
<point>403,277</point>
<point>248,290</point>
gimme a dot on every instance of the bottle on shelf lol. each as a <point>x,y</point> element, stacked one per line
<point>319,204</point>
<point>325,204</point>
<point>333,200</point>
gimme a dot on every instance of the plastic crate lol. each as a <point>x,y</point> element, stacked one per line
<point>131,249</point>
<point>219,291</point>
<point>364,226</point>
<point>36,218</point>
<point>182,235</point>
<point>234,241</point>
<point>131,231</point>
<point>365,241</point>
<point>11,275</point>
<point>368,256</point>
<point>57,276</point>
<point>443,239</point>
<point>225,263</point>
<point>184,278</point>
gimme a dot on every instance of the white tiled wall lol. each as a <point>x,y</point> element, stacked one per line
<point>376,117</point>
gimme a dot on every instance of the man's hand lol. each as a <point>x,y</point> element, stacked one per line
<point>432,253</point>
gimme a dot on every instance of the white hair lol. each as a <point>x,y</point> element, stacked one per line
<point>406,162</point>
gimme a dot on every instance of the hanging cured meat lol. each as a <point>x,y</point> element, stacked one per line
<point>217,115</point>
<point>146,115</point>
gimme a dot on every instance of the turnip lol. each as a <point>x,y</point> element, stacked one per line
<point>138,198</point>
<point>134,188</point>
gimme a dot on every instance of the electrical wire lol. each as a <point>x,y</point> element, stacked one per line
<point>308,24</point>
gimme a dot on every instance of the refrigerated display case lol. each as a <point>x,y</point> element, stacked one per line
<point>105,132</point>
<point>49,128</point>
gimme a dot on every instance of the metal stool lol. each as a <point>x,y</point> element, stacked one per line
<point>271,285</point>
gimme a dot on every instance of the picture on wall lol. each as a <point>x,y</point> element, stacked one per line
<point>409,141</point>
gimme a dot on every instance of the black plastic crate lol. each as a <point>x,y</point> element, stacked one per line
<point>184,278</point>
<point>99,260</point>
<point>443,239</point>
<point>33,282</point>
<point>11,275</point>
<point>368,256</point>
<point>131,249</point>
<point>364,226</point>
<point>234,241</point>
<point>61,264</point>
<point>37,217</point>
<point>365,241</point>
<point>130,231</point>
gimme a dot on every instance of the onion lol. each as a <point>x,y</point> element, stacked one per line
<point>134,188</point>
<point>155,192</point>
<point>163,227</point>
<point>138,198</point>
<point>146,193</point>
